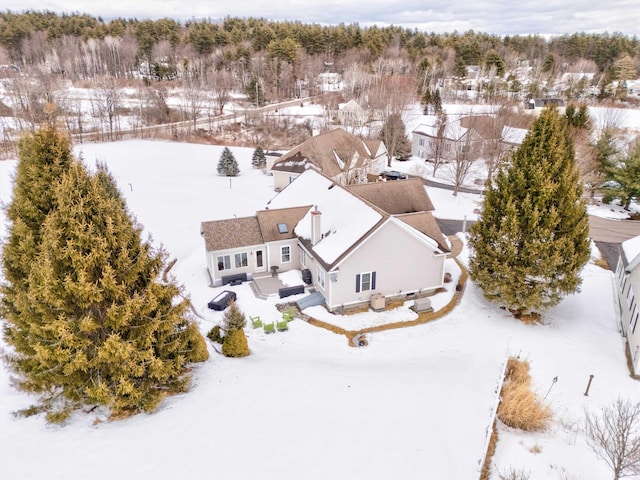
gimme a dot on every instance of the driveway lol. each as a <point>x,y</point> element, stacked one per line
<point>606,233</point>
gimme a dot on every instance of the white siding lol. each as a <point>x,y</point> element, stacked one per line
<point>402,263</point>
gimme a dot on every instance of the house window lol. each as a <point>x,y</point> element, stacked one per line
<point>619,269</point>
<point>282,228</point>
<point>623,283</point>
<point>224,262</point>
<point>634,320</point>
<point>259,259</point>
<point>633,312</point>
<point>320,276</point>
<point>365,281</point>
<point>285,254</point>
<point>421,142</point>
<point>630,296</point>
<point>241,260</point>
<point>303,258</point>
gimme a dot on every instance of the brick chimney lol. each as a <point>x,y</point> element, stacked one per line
<point>316,225</point>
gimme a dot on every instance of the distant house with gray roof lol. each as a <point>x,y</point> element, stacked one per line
<point>338,154</point>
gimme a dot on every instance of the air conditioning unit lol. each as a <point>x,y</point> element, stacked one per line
<point>422,305</point>
<point>377,302</point>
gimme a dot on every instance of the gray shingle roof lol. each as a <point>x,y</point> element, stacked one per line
<point>395,197</point>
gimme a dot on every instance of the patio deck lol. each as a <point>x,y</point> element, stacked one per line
<point>266,285</point>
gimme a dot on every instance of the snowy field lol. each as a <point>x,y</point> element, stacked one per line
<point>414,404</point>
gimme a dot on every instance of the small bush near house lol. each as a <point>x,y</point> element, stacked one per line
<point>520,407</point>
<point>234,319</point>
<point>235,344</point>
<point>215,334</point>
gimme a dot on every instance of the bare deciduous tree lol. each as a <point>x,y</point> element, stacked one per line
<point>389,98</point>
<point>438,145</point>
<point>193,100</point>
<point>106,101</point>
<point>222,83</point>
<point>614,435</point>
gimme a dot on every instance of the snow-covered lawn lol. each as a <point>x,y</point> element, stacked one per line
<point>414,403</point>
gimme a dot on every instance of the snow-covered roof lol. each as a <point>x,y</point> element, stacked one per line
<point>453,130</point>
<point>631,252</point>
<point>345,218</point>
<point>513,135</point>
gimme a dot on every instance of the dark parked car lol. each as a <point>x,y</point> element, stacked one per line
<point>221,301</point>
<point>393,175</point>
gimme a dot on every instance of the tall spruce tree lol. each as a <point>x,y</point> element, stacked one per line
<point>44,157</point>
<point>227,164</point>
<point>101,328</point>
<point>532,240</point>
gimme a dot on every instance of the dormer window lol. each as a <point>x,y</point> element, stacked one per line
<point>282,228</point>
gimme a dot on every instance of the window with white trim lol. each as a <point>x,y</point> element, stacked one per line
<point>365,281</point>
<point>224,262</point>
<point>634,320</point>
<point>241,260</point>
<point>285,254</point>
<point>421,142</point>
<point>320,276</point>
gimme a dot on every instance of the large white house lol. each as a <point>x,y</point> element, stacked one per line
<point>627,286</point>
<point>355,241</point>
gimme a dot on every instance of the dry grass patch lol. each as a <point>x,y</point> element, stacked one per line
<point>520,407</point>
<point>602,263</point>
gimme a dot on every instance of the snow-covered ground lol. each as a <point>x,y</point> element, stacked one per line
<point>414,403</point>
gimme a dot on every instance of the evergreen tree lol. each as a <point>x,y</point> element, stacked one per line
<point>426,101</point>
<point>102,328</point>
<point>460,67</point>
<point>532,240</point>
<point>227,165</point>
<point>255,93</point>
<point>437,102</point>
<point>235,341</point>
<point>258,160</point>
<point>44,157</point>
<point>624,177</point>
<point>234,319</point>
<point>578,117</point>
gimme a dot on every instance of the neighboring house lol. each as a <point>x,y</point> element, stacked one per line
<point>338,154</point>
<point>513,137</point>
<point>351,114</point>
<point>355,241</point>
<point>471,80</point>
<point>467,135</point>
<point>330,82</point>
<point>627,282</point>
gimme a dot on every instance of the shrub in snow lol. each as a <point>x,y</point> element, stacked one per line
<point>215,334</point>
<point>235,344</point>
<point>520,407</point>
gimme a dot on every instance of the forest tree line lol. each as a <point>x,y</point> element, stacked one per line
<point>278,53</point>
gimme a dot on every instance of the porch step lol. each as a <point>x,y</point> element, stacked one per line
<point>312,300</point>
<point>257,292</point>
